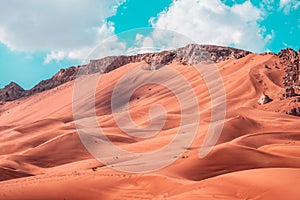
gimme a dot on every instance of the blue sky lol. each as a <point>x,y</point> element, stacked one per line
<point>37,38</point>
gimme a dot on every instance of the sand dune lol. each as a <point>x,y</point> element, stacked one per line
<point>256,156</point>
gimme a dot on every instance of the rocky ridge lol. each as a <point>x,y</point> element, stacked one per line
<point>291,60</point>
<point>190,54</point>
<point>11,92</point>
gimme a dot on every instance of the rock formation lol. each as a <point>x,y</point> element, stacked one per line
<point>190,54</point>
<point>294,111</point>
<point>63,76</point>
<point>290,59</point>
<point>11,92</point>
<point>264,99</point>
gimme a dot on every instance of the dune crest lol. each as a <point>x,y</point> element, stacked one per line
<point>256,156</point>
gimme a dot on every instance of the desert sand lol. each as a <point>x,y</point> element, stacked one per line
<point>256,157</point>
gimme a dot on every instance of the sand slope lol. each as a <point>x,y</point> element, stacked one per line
<point>256,157</point>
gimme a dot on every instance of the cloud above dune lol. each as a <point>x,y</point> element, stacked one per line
<point>211,21</point>
<point>63,28</point>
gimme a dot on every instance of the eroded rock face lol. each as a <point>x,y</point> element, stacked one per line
<point>294,111</point>
<point>190,54</point>
<point>290,59</point>
<point>63,76</point>
<point>11,92</point>
<point>288,54</point>
<point>264,99</point>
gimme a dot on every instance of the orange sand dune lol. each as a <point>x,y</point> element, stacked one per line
<point>256,156</point>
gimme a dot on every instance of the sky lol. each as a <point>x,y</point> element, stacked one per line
<point>37,38</point>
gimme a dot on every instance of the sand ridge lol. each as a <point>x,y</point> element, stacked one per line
<point>256,155</point>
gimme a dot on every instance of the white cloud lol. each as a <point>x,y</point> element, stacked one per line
<point>112,46</point>
<point>157,40</point>
<point>109,47</point>
<point>78,54</point>
<point>106,31</point>
<point>138,37</point>
<point>267,4</point>
<point>212,22</point>
<point>288,5</point>
<point>146,45</point>
<point>54,56</point>
<point>63,28</point>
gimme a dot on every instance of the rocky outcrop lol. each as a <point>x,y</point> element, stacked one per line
<point>11,92</point>
<point>290,59</point>
<point>63,76</point>
<point>190,54</point>
<point>294,111</point>
<point>296,100</point>
<point>264,99</point>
